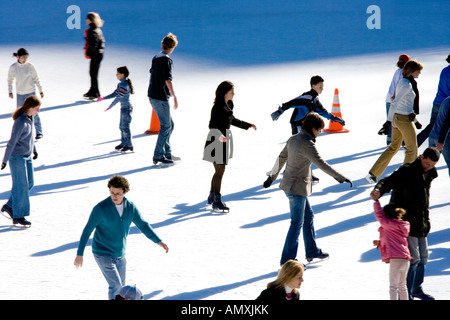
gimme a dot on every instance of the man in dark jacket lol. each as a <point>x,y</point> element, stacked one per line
<point>410,185</point>
<point>305,103</point>
<point>160,89</point>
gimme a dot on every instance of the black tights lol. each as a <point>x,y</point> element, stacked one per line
<point>216,181</point>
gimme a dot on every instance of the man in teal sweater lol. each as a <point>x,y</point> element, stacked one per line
<point>111,219</point>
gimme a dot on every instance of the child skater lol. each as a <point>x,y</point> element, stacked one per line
<point>122,94</point>
<point>393,245</point>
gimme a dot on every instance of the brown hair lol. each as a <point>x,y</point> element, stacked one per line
<point>313,121</point>
<point>410,67</point>
<point>124,70</point>
<point>119,182</point>
<point>170,41</point>
<point>315,80</point>
<point>29,103</point>
<point>393,212</point>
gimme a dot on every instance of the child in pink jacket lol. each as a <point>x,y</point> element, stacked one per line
<point>393,245</point>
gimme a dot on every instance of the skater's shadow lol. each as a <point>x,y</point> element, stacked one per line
<point>184,211</point>
<point>207,292</point>
<point>118,140</point>
<point>46,109</point>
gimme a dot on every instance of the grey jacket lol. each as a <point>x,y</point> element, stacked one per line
<point>22,138</point>
<point>298,154</point>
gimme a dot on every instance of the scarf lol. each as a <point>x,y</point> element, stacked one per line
<point>416,91</point>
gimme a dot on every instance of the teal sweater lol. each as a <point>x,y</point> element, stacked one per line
<point>111,230</point>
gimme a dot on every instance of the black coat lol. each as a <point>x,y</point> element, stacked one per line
<point>410,187</point>
<point>221,119</point>
<point>95,40</point>
<point>277,294</point>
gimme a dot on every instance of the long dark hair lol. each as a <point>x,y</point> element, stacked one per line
<point>222,90</point>
<point>29,103</point>
<point>124,70</point>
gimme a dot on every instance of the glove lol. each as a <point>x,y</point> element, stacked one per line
<point>35,155</point>
<point>339,120</point>
<point>268,182</point>
<point>275,115</point>
<point>412,116</point>
<point>3,166</point>
<point>385,128</point>
<point>100,99</point>
<point>346,180</point>
<point>418,124</point>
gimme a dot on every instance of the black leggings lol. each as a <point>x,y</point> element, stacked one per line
<point>216,181</point>
<point>94,67</point>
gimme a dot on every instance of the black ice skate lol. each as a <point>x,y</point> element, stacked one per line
<point>21,222</point>
<point>218,205</point>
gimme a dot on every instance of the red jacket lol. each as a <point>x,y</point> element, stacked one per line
<point>393,236</point>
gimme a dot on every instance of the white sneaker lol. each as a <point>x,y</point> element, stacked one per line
<point>371,178</point>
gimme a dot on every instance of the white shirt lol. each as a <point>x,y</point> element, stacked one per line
<point>120,209</point>
<point>395,79</point>
<point>26,78</point>
<point>404,99</point>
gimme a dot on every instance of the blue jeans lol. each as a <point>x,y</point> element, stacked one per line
<point>37,121</point>
<point>114,270</point>
<point>423,135</point>
<point>389,135</point>
<point>301,215</point>
<point>22,175</point>
<point>418,248</point>
<point>162,110</point>
<point>432,142</point>
<point>125,120</point>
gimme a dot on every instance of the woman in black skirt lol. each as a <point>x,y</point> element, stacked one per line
<point>219,144</point>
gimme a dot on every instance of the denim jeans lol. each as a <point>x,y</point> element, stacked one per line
<point>389,135</point>
<point>423,135</point>
<point>37,120</point>
<point>432,142</point>
<point>22,175</point>
<point>301,215</point>
<point>114,270</point>
<point>125,120</point>
<point>162,110</point>
<point>418,248</point>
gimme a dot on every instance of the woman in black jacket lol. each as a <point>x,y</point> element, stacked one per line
<point>219,144</point>
<point>95,42</point>
<point>286,286</point>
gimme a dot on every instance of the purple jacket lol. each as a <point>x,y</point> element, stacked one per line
<point>393,236</point>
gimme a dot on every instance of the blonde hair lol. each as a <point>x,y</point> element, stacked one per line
<point>95,19</point>
<point>410,67</point>
<point>288,272</point>
<point>169,42</point>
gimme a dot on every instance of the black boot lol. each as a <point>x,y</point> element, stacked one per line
<point>211,197</point>
<point>8,210</point>
<point>22,222</point>
<point>218,204</point>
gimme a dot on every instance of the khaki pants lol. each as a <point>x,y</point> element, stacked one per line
<point>402,130</point>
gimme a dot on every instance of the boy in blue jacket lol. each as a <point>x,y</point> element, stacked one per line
<point>111,219</point>
<point>305,103</point>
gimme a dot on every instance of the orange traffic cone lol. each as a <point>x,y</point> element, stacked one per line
<point>336,127</point>
<point>154,124</point>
